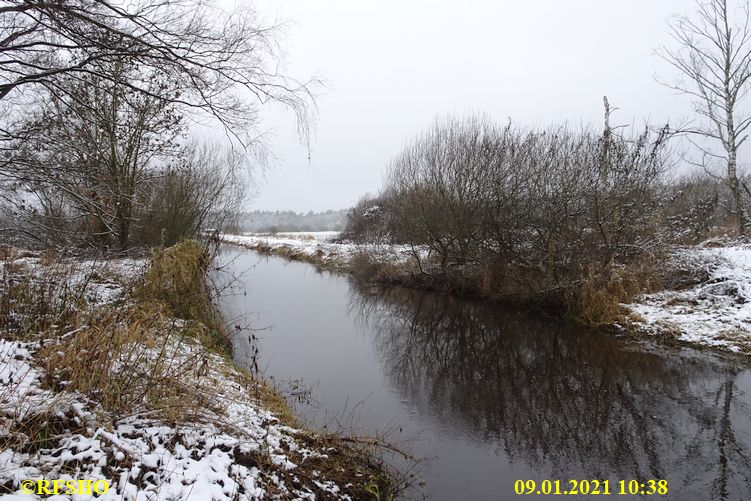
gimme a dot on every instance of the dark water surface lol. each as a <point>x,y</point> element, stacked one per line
<point>486,397</point>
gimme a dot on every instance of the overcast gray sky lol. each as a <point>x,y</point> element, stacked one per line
<point>392,66</point>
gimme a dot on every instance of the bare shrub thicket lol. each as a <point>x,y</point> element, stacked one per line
<point>528,213</point>
<point>696,208</point>
<point>367,221</point>
<point>203,190</point>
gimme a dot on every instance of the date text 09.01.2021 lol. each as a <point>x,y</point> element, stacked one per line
<point>592,487</point>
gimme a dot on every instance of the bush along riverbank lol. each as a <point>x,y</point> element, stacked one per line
<point>695,294</point>
<point>119,371</point>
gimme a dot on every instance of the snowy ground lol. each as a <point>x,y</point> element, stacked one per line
<point>230,448</point>
<point>320,244</point>
<point>145,458</point>
<point>715,312</point>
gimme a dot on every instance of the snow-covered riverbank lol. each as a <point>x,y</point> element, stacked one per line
<point>713,311</point>
<point>213,437</point>
<point>321,245</point>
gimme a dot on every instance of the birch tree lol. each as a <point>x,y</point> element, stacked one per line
<point>712,54</point>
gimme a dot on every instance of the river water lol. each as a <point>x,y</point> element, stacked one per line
<point>485,397</point>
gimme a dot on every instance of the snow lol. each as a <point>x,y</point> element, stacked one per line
<point>715,312</point>
<point>99,281</point>
<point>308,235</point>
<point>20,392</point>
<point>198,461</point>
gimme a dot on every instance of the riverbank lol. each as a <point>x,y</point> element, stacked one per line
<point>117,370</point>
<point>706,300</point>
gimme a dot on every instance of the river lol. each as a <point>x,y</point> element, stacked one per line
<point>485,397</point>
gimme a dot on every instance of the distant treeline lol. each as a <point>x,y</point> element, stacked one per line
<point>271,221</point>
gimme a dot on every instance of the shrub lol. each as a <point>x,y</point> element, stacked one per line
<point>202,192</point>
<point>526,213</point>
<point>367,221</point>
<point>694,209</point>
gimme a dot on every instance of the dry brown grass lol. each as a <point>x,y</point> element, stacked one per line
<point>32,303</point>
<point>128,357</point>
<point>593,298</point>
<point>130,360</point>
<point>176,281</point>
<point>598,297</point>
<point>368,268</point>
<point>363,266</point>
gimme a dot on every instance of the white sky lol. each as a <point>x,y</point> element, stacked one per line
<point>392,66</point>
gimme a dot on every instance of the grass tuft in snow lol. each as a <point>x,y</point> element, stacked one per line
<point>176,282</point>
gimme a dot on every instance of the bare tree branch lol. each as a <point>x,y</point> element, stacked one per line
<point>224,65</point>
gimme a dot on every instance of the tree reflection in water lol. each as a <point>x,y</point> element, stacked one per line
<point>566,403</point>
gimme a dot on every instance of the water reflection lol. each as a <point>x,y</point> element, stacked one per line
<point>566,404</point>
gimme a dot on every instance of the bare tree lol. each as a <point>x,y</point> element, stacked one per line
<point>94,94</point>
<point>92,154</point>
<point>216,60</point>
<point>112,168</point>
<point>713,56</point>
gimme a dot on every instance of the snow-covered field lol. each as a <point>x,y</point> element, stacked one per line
<point>231,447</point>
<point>715,312</point>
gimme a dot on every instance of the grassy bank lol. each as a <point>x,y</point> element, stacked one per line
<point>120,370</point>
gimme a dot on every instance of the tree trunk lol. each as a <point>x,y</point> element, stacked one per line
<point>124,215</point>
<point>731,146</point>
<point>123,229</point>
<point>735,190</point>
